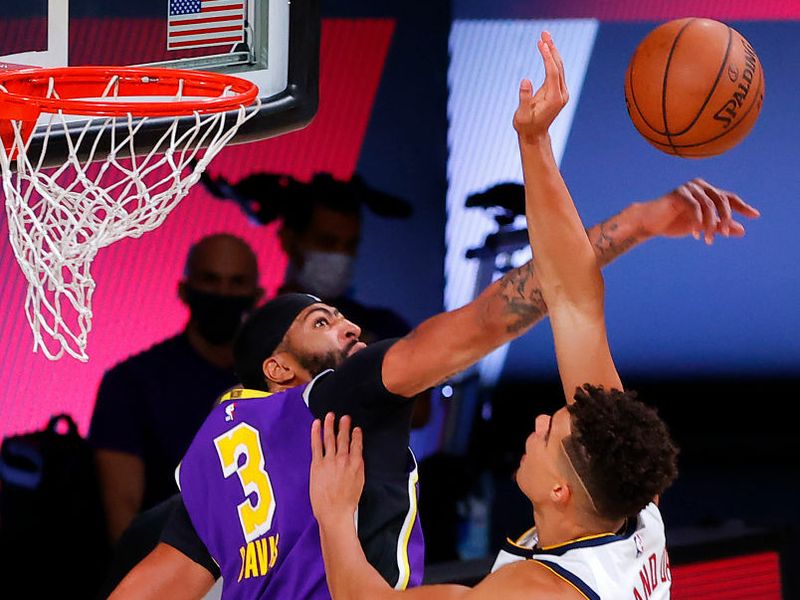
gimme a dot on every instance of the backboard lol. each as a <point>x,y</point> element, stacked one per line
<point>273,43</point>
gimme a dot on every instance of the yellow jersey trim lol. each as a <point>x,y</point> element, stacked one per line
<point>243,394</point>
<point>518,542</point>
<point>408,526</point>
<point>580,539</point>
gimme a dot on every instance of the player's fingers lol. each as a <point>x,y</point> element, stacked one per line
<point>686,195</point>
<point>525,91</point>
<point>562,78</point>
<point>721,203</point>
<point>328,434</point>
<point>357,443</point>
<point>710,218</point>
<point>550,85</point>
<point>343,439</point>
<point>736,229</point>
<point>316,442</point>
<point>735,201</point>
<point>742,207</point>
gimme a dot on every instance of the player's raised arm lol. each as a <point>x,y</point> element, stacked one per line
<point>447,343</point>
<point>567,267</point>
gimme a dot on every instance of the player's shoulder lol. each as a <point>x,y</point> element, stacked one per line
<point>360,369</point>
<point>232,400</point>
<point>368,360</point>
<point>530,580</point>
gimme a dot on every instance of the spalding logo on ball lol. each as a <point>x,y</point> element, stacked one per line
<point>694,87</point>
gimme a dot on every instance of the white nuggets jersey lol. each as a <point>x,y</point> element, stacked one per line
<point>630,565</point>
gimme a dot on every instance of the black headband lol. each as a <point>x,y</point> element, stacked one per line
<point>261,334</point>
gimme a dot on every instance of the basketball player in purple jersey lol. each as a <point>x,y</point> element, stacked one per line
<point>246,513</point>
<point>593,471</point>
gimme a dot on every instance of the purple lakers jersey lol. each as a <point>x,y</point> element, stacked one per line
<point>244,481</point>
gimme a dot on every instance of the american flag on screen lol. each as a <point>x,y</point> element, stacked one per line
<point>200,23</point>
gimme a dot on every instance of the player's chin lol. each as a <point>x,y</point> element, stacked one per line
<point>521,470</point>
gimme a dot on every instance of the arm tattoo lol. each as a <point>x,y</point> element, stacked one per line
<point>607,242</point>
<point>520,289</point>
<point>522,295</point>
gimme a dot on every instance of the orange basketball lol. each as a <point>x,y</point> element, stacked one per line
<point>694,87</point>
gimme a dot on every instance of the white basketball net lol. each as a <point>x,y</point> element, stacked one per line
<point>59,219</point>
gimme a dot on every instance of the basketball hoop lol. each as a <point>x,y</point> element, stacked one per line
<point>111,186</point>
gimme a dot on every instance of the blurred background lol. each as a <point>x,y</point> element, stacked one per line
<point>417,98</point>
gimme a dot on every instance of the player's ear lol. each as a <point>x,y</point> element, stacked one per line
<point>278,369</point>
<point>560,493</point>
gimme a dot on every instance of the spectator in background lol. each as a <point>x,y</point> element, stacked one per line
<point>320,232</point>
<point>150,406</point>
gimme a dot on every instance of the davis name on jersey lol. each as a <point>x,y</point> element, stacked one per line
<point>258,556</point>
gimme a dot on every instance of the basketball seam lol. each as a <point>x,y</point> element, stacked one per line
<point>710,93</point>
<point>713,139</point>
<point>633,98</point>
<point>664,86</point>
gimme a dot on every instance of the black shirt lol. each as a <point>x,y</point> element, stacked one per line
<point>152,404</point>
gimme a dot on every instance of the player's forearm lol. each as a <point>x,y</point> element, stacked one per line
<point>518,293</point>
<point>615,236</point>
<point>565,260</point>
<point>349,575</point>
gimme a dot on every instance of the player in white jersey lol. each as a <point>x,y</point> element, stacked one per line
<point>633,560</point>
<point>593,470</point>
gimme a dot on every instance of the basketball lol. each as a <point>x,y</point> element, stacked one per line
<point>694,87</point>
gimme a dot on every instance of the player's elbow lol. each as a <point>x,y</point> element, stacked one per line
<point>582,288</point>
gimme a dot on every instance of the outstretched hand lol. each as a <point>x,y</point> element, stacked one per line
<point>536,111</point>
<point>698,208</point>
<point>337,469</point>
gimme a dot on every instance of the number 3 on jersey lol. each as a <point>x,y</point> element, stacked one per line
<point>255,518</point>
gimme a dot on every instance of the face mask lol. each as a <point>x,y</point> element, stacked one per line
<point>217,316</point>
<point>324,274</point>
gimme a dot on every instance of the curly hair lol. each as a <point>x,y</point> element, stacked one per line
<point>621,450</point>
